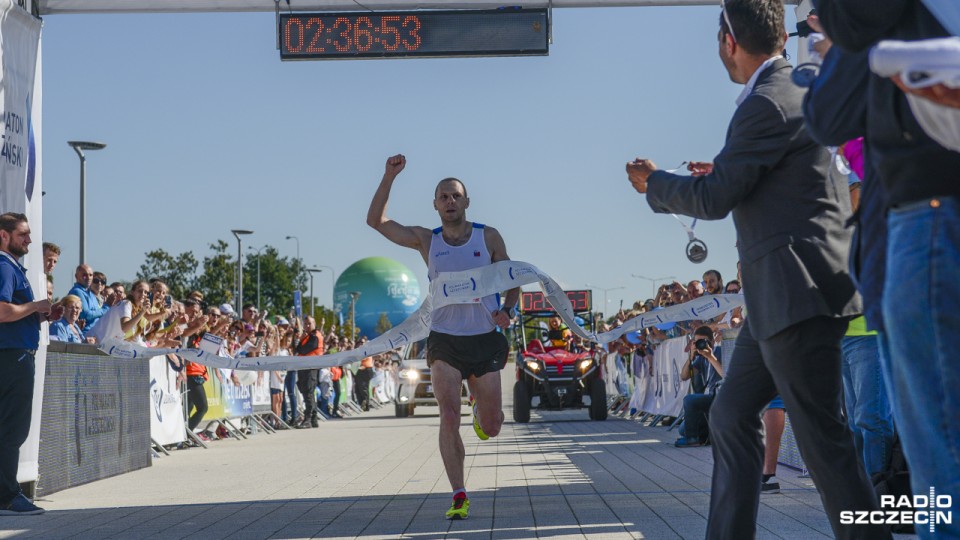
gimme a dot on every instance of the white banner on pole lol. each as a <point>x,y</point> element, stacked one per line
<point>20,185</point>
<point>166,405</point>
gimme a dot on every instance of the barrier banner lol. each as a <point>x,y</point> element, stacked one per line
<point>664,391</point>
<point>642,378</point>
<point>96,420</point>
<point>449,288</point>
<point>166,405</point>
<point>20,185</point>
<point>226,399</point>
<point>260,393</point>
<point>610,374</point>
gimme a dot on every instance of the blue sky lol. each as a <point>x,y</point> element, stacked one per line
<point>208,131</point>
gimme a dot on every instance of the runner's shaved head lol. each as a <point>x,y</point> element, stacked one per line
<point>450,180</point>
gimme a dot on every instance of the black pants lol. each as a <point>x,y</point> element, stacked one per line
<point>16,406</point>
<point>361,387</point>
<point>307,384</point>
<point>803,363</point>
<point>196,399</point>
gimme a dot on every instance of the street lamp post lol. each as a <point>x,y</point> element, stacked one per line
<point>605,291</point>
<point>313,301</point>
<point>653,282</point>
<point>79,147</point>
<point>259,254</point>
<point>353,314</point>
<point>297,277</point>
<point>237,233</point>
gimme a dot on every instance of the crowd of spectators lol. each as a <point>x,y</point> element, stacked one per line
<point>703,367</point>
<point>144,312</point>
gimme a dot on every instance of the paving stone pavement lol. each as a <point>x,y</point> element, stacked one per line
<point>377,476</point>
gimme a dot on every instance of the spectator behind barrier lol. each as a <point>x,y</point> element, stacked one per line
<point>92,310</point>
<point>51,255</point>
<point>67,329</point>
<point>703,366</point>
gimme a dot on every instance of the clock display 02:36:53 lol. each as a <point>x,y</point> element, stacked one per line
<point>319,35</point>
<point>397,34</point>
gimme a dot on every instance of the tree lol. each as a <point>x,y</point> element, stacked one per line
<point>178,272</point>
<point>383,324</point>
<point>278,280</point>
<point>219,275</point>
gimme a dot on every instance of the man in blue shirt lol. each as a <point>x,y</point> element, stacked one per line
<point>92,310</point>
<point>20,318</point>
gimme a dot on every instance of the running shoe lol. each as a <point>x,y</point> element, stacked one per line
<point>459,509</point>
<point>476,421</point>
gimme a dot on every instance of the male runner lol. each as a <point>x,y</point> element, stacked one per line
<point>464,343</point>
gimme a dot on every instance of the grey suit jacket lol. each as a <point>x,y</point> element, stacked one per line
<point>790,217</point>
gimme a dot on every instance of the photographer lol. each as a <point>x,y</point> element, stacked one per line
<point>704,367</point>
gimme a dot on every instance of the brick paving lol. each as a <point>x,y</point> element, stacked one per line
<point>376,476</point>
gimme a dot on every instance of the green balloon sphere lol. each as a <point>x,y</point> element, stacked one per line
<point>385,286</point>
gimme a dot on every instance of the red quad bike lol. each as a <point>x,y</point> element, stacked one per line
<point>553,378</point>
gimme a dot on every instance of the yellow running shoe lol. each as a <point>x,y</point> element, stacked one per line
<point>459,509</point>
<point>476,421</point>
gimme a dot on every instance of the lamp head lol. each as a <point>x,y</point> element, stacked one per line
<point>87,145</point>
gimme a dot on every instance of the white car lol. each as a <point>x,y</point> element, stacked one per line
<point>414,387</point>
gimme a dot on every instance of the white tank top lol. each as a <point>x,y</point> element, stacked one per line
<point>464,319</point>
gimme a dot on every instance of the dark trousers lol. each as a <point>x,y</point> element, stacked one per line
<point>803,363</point>
<point>361,387</point>
<point>307,383</point>
<point>16,406</point>
<point>197,400</point>
<point>695,409</point>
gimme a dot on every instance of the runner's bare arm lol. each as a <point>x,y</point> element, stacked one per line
<point>498,252</point>
<point>411,237</point>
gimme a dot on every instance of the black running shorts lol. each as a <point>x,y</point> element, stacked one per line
<point>471,355</point>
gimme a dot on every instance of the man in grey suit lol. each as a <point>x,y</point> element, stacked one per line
<point>793,243</point>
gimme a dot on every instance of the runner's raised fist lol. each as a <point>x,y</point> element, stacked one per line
<point>395,164</point>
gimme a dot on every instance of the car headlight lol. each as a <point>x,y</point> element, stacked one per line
<point>585,364</point>
<point>409,374</point>
<point>533,365</point>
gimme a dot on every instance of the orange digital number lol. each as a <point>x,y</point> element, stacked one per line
<point>294,47</point>
<point>318,24</point>
<point>347,27</point>
<point>362,37</point>
<point>386,29</point>
<point>413,42</point>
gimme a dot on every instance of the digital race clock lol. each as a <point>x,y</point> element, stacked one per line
<point>388,34</point>
<point>534,301</point>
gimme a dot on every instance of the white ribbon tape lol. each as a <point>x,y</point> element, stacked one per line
<point>449,288</point>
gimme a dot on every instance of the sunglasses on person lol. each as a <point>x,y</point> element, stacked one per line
<point>97,281</point>
<point>726,18</point>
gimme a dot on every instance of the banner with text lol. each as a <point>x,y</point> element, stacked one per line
<point>166,405</point>
<point>20,185</point>
<point>661,391</point>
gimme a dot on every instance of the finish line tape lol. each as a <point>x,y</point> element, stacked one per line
<point>449,288</point>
